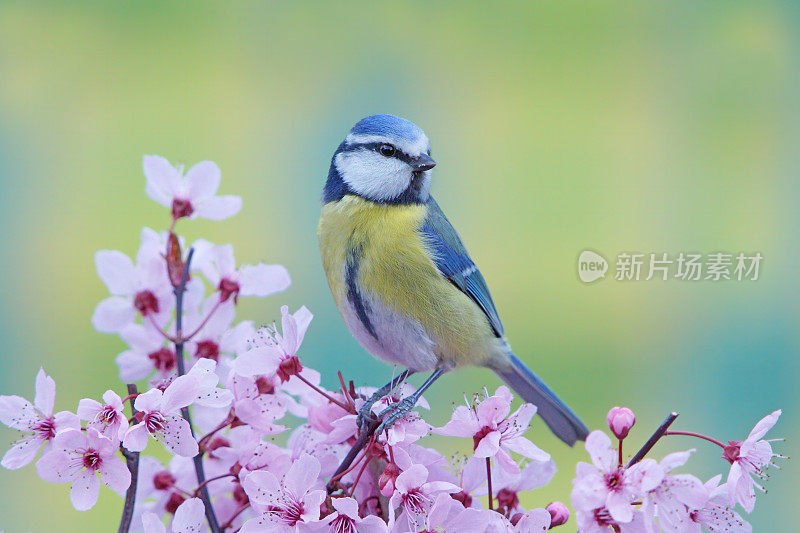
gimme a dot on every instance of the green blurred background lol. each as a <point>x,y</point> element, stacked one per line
<point>557,127</point>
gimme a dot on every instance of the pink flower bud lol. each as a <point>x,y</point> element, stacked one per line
<point>390,473</point>
<point>559,514</point>
<point>620,420</point>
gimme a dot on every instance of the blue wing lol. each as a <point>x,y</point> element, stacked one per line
<point>455,264</point>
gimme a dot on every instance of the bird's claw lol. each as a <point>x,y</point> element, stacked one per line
<point>365,415</point>
<point>395,412</point>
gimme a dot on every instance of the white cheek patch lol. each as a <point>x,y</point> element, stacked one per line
<point>372,175</point>
<point>419,146</point>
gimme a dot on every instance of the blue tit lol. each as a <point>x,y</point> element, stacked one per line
<point>401,277</point>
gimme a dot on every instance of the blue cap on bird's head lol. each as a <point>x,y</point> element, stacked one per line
<point>384,159</point>
<point>389,126</point>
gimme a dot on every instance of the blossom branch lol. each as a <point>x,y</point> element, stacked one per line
<point>132,461</point>
<point>363,438</point>
<point>179,291</point>
<point>660,432</point>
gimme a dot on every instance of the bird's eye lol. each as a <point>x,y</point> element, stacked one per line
<point>387,150</point>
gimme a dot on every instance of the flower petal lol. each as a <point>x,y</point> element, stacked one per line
<point>180,393</point>
<point>177,436</point>
<point>202,181</point>
<point>148,401</point>
<point>523,446</point>
<point>84,491</point>
<point>599,447</point>
<point>88,409</point>
<point>488,445</point>
<point>764,425</point>
<point>302,475</point>
<point>189,517</point>
<point>21,453</point>
<point>17,413</point>
<point>262,487</point>
<point>163,180</point>
<point>219,207</point>
<point>115,474</point>
<point>257,361</point>
<point>152,523</point>
<point>116,270</point>
<point>263,280</point>
<point>136,438</point>
<point>113,314</point>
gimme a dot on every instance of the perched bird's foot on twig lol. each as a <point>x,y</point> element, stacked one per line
<point>395,412</point>
<point>365,415</point>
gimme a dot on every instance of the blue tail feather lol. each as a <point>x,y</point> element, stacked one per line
<point>559,418</point>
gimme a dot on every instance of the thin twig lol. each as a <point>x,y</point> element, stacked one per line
<point>489,481</point>
<point>367,459</point>
<point>328,396</point>
<point>204,440</point>
<point>662,429</point>
<point>229,523</point>
<point>209,480</point>
<point>699,436</point>
<point>203,323</point>
<point>132,460</point>
<point>213,524</point>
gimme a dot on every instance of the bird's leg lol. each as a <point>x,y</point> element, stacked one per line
<point>365,416</point>
<point>397,411</point>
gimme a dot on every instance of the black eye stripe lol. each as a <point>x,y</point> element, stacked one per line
<point>376,146</point>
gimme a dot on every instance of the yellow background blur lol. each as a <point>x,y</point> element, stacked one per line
<point>557,127</point>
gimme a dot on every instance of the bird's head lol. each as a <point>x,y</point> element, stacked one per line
<point>385,159</point>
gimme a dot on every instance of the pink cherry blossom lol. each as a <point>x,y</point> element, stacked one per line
<point>415,495</point>
<point>600,521</point>
<point>673,497</point>
<point>162,489</point>
<point>714,514</point>
<point>79,457</point>
<point>447,515</point>
<point>189,518</point>
<point>142,290</point>
<point>494,433</point>
<point>508,486</point>
<point>533,520</point>
<point>276,353</point>
<point>215,338</point>
<point>251,453</point>
<point>345,519</point>
<point>147,353</point>
<point>750,459</point>
<point>108,418</point>
<point>192,195</point>
<point>160,417</point>
<point>208,394</point>
<point>219,267</point>
<point>286,503</point>
<point>36,421</point>
<point>259,402</point>
<point>609,485</point>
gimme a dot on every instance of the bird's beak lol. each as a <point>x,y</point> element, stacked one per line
<point>423,162</point>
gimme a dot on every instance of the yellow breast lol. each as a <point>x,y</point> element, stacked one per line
<point>396,267</point>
